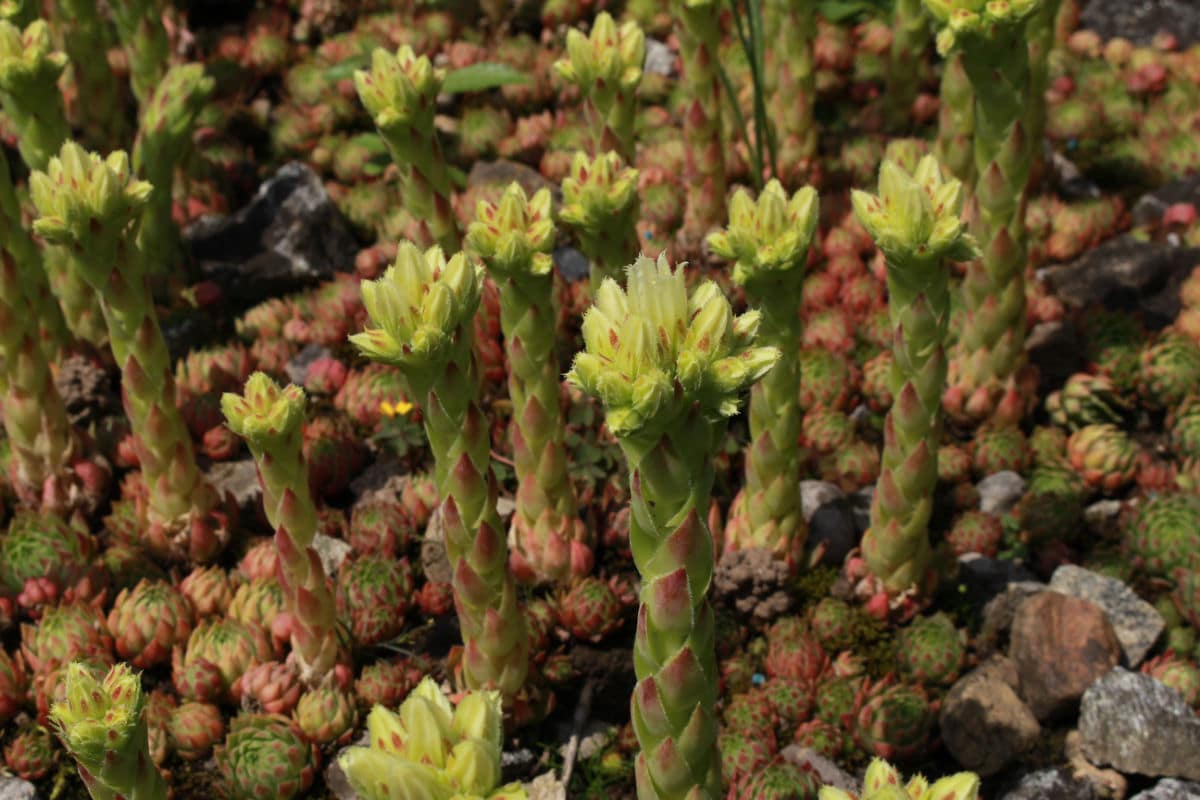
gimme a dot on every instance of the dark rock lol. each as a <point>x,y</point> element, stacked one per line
<point>297,368</point>
<point>1141,20</point>
<point>1170,789</point>
<point>1053,783</point>
<point>1126,274</point>
<point>998,493</point>
<point>86,389</point>
<point>753,582</point>
<point>1069,179</point>
<point>1149,207</point>
<point>187,330</point>
<point>986,578</point>
<point>1137,624</point>
<point>984,724</point>
<point>289,237</point>
<point>832,533</point>
<point>572,264</point>
<point>1060,645</point>
<point>240,479</point>
<point>1054,348</point>
<point>1133,723</point>
<point>385,477</point>
<point>860,507</point>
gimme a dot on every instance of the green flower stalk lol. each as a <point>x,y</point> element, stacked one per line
<point>906,61</point>
<point>29,73</point>
<point>168,120</point>
<point>698,28</point>
<point>884,782</point>
<point>669,369</point>
<point>768,243</point>
<point>992,40</point>
<point>1041,41</point>
<point>956,121</point>
<point>90,207</point>
<point>795,77</point>
<point>271,420</point>
<point>140,28</point>
<point>400,93</point>
<point>421,314</point>
<point>514,238</point>
<point>606,66</point>
<point>86,38</point>
<point>431,749</point>
<point>102,724</point>
<point>600,200</point>
<point>916,222</point>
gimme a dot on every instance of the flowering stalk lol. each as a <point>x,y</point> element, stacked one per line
<point>669,369</point>
<point>271,420</point>
<point>168,120</point>
<point>140,28</point>
<point>606,66</point>
<point>1041,42</point>
<point>90,207</point>
<point>697,27</point>
<point>882,781</point>
<point>995,54</point>
<point>600,201</point>
<point>514,239</point>
<point>768,243</point>
<point>910,37</point>
<point>400,93</point>
<point>796,83</point>
<point>916,223</point>
<point>29,73</point>
<point>956,121</point>
<point>102,724</point>
<point>86,38</point>
<point>421,311</point>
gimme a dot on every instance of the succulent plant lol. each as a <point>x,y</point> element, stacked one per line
<point>600,201</point>
<point>975,532</point>
<point>326,715</point>
<point>778,780</point>
<point>833,623</point>
<point>1104,456</point>
<point>1163,535</point>
<point>46,547</point>
<point>148,621</point>
<point>741,755</point>
<point>101,723</point>
<point>431,749</point>
<point>797,656</point>
<point>381,526</point>
<point>14,685</point>
<point>194,728</point>
<point>1000,448</point>
<point>160,704</point>
<point>209,589</point>
<point>1053,502</point>
<point>387,683</point>
<point>257,602</point>
<point>852,466</point>
<point>883,782</point>
<point>931,650</point>
<point>1048,445</point>
<point>590,610</point>
<point>221,649</point>
<point>1183,427</point>
<point>372,596</point>
<point>1086,399</point>
<point>699,35</point>
<point>272,687</point>
<point>826,430</point>
<point>1170,370</point>
<point>333,453</point>
<point>66,633</point>
<point>791,700</point>
<point>31,754</point>
<point>893,720</point>
<point>1178,673</point>
<point>751,715</point>
<point>265,755</point>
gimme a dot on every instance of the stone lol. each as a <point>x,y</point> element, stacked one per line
<point>1150,207</point>
<point>1170,789</point>
<point>1135,724</point>
<point>1103,518</point>
<point>986,578</point>
<point>829,773</point>
<point>1126,274</point>
<point>860,508</point>
<point>336,780</point>
<point>1108,782</point>
<point>86,389</point>
<point>290,236</point>
<point>1137,624</point>
<point>1055,349</point>
<point>572,264</point>
<point>984,724</point>
<point>240,479</point>
<point>831,530</point>
<point>502,172</point>
<point>1141,20</point>
<point>659,58</point>
<point>297,368</point>
<point>1053,783</point>
<point>13,788</point>
<point>434,561</point>
<point>332,552</point>
<point>1060,645</point>
<point>755,583</point>
<point>546,787</point>
<point>999,492</point>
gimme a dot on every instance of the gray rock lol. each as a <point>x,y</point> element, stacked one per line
<point>1149,208</point>
<point>336,781</point>
<point>571,264</point>
<point>984,724</point>
<point>1138,624</point>
<point>331,551</point>
<point>12,788</point>
<point>1103,517</point>
<point>1050,784</point>
<point>860,505</point>
<point>659,58</point>
<point>831,529</point>
<point>1141,20</point>
<point>754,582</point>
<point>827,770</point>
<point>385,478</point>
<point>1170,789</point>
<point>998,493</point>
<point>290,236</point>
<point>985,578</point>
<point>546,786</point>
<point>188,329</point>
<point>1125,273</point>
<point>1069,179</point>
<point>297,368</point>
<point>1133,723</point>
<point>240,479</point>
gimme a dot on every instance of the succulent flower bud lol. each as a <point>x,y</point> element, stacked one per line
<point>596,190</point>
<point>265,412</point>
<point>610,57</point>
<point>400,89</point>
<point>767,236</point>
<point>514,236</point>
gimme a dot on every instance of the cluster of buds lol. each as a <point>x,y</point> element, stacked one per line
<point>600,200</point>
<point>883,782</point>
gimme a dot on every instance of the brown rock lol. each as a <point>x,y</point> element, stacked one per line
<point>985,725</point>
<point>1060,646</point>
